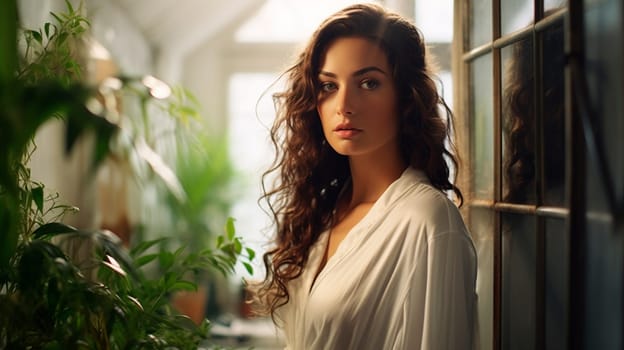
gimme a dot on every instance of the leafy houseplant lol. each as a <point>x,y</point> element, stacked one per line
<point>205,172</point>
<point>47,298</point>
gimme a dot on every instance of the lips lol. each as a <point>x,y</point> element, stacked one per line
<point>346,131</point>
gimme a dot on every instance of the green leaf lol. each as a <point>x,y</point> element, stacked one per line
<point>144,246</point>
<point>46,29</point>
<point>58,19</point>
<point>251,253</point>
<point>8,42</point>
<point>53,345</point>
<point>179,251</point>
<point>144,260</point>
<point>37,36</point>
<point>229,228</point>
<point>37,195</point>
<point>52,229</point>
<point>220,241</point>
<point>170,279</point>
<point>238,247</point>
<point>10,217</point>
<point>60,39</point>
<point>70,8</point>
<point>184,285</point>
<point>166,260</point>
<point>248,267</point>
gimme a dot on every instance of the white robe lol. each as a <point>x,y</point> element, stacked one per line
<point>402,278</point>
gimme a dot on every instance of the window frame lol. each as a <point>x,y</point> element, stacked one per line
<point>464,55</point>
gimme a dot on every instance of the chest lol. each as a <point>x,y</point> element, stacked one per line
<point>366,279</point>
<point>343,227</point>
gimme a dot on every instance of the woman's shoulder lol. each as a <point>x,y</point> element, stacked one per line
<point>420,194</point>
<point>429,208</point>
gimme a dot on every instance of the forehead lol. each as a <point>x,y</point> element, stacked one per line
<point>353,53</point>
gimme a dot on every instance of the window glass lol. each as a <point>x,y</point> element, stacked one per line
<point>604,33</point>
<point>515,14</point>
<point>553,115</point>
<point>482,127</point>
<point>288,21</point>
<point>518,122</point>
<point>556,282</point>
<point>435,20</point>
<point>518,281</point>
<point>251,113</point>
<point>480,22</point>
<point>554,4</point>
<point>482,231</point>
<point>604,247</point>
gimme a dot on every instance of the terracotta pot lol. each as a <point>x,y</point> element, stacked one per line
<point>192,304</point>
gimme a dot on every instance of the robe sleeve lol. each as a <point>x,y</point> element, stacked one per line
<point>450,292</point>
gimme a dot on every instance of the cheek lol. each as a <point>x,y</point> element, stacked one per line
<point>393,123</point>
<point>390,115</point>
<point>323,112</point>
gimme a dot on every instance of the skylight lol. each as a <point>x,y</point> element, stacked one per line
<point>287,20</point>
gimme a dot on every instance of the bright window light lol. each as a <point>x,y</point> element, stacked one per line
<point>287,20</point>
<point>435,20</point>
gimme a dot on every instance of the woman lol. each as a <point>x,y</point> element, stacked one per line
<point>370,253</point>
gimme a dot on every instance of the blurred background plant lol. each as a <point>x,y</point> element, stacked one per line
<point>102,297</point>
<point>205,173</point>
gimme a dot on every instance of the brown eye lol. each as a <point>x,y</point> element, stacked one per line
<point>328,86</point>
<point>369,84</point>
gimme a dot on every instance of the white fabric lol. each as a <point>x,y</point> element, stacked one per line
<point>403,278</point>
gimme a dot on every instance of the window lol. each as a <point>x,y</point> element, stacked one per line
<point>512,58</point>
<point>250,118</point>
<point>287,21</point>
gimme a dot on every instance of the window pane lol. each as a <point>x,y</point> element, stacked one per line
<point>482,127</point>
<point>556,287</point>
<point>515,14</point>
<point>435,20</point>
<point>553,5</point>
<point>482,231</point>
<point>250,114</point>
<point>604,53</point>
<point>553,114</point>
<point>518,122</point>
<point>480,22</point>
<point>287,21</point>
<point>518,281</point>
<point>604,33</point>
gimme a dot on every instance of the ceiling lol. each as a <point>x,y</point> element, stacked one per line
<point>185,24</point>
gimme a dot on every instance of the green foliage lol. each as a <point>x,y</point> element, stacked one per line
<point>49,300</point>
<point>205,173</point>
<point>50,51</point>
<point>8,46</point>
<point>50,303</point>
<point>41,86</point>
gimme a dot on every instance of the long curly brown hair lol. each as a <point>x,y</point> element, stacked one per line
<point>309,173</point>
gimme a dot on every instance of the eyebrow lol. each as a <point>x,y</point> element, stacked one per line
<point>357,73</point>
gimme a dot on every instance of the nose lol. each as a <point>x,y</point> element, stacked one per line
<point>346,101</point>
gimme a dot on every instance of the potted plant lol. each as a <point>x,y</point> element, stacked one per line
<point>48,299</point>
<point>206,175</point>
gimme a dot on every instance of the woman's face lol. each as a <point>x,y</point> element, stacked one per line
<point>357,101</point>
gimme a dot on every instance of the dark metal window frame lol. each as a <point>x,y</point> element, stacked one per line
<point>497,205</point>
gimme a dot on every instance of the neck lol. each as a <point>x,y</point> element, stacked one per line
<point>371,177</point>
